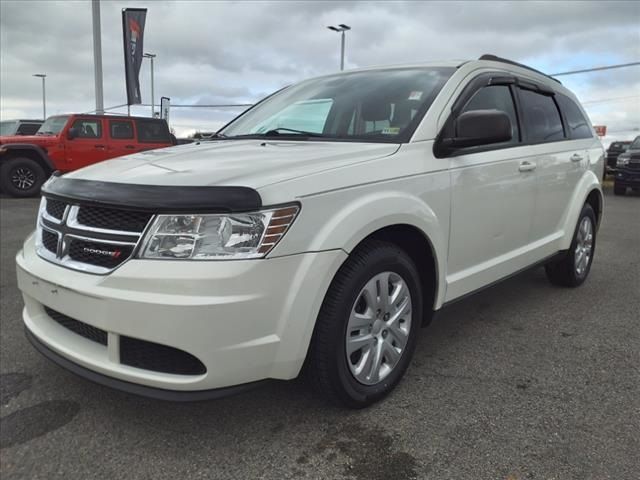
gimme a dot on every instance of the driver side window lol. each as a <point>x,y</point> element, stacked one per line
<point>496,97</point>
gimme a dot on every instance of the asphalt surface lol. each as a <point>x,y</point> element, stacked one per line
<point>521,381</point>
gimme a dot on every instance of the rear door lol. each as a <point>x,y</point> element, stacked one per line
<point>561,160</point>
<point>89,145</point>
<point>122,140</point>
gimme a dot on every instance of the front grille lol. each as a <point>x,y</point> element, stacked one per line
<point>159,358</point>
<point>55,208</point>
<point>50,241</point>
<point>84,330</point>
<point>98,254</point>
<point>113,219</point>
<point>634,164</point>
<point>71,239</point>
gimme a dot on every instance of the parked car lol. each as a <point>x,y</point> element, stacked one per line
<point>19,127</point>
<point>628,169</point>
<point>68,142</point>
<point>321,228</point>
<point>615,149</point>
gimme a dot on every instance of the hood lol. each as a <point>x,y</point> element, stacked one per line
<point>42,140</point>
<point>250,163</point>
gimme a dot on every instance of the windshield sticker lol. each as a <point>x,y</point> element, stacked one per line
<point>415,95</point>
<point>391,131</point>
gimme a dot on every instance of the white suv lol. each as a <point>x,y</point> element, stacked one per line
<point>322,227</point>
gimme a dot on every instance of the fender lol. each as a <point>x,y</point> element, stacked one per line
<point>587,184</point>
<point>353,219</point>
<point>6,149</point>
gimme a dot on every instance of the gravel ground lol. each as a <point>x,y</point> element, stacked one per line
<point>521,381</point>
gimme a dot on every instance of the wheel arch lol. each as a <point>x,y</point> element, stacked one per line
<point>33,152</point>
<point>588,190</point>
<point>420,249</point>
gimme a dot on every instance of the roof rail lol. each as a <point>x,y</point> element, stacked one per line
<point>494,58</point>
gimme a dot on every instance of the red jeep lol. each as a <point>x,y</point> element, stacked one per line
<point>69,142</point>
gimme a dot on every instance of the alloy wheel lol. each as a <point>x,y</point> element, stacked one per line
<point>23,178</point>
<point>378,328</point>
<point>584,246</point>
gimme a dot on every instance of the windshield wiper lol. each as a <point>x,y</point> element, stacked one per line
<point>276,131</point>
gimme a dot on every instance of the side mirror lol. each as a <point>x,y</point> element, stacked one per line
<point>72,133</point>
<point>480,127</point>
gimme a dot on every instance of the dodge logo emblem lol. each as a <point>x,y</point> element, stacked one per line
<point>106,253</point>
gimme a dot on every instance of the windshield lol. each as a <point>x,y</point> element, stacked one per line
<point>372,106</point>
<point>52,125</point>
<point>635,145</point>
<point>8,128</point>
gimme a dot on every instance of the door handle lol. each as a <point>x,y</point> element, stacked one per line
<point>130,147</point>
<point>527,166</point>
<point>100,146</point>
<point>576,158</point>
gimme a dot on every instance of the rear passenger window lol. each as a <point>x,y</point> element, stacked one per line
<point>542,118</point>
<point>578,125</point>
<point>121,129</point>
<point>496,97</point>
<point>153,132</point>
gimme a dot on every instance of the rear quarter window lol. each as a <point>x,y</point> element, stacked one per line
<point>579,126</point>
<point>150,131</point>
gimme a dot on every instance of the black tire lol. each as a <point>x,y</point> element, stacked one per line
<point>617,190</point>
<point>21,177</point>
<point>564,272</point>
<point>327,364</point>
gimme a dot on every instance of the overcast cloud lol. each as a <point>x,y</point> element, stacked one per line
<point>218,52</point>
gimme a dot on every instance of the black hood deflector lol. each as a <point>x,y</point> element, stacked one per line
<point>153,198</point>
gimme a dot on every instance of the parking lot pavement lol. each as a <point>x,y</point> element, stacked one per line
<point>521,381</point>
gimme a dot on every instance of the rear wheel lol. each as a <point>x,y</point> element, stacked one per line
<point>573,268</point>
<point>21,177</point>
<point>368,325</point>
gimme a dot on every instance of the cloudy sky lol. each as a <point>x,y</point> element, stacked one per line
<point>211,52</point>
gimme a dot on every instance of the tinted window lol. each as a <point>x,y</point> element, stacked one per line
<point>153,132</point>
<point>542,118</point>
<point>120,129</point>
<point>578,125</point>
<point>496,97</point>
<point>28,128</point>
<point>88,128</point>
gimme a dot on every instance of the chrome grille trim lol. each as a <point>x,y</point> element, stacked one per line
<point>68,230</point>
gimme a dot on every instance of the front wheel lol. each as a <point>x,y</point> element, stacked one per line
<point>368,325</point>
<point>573,268</point>
<point>21,177</point>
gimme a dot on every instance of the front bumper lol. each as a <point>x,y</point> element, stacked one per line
<point>244,320</point>
<point>625,177</point>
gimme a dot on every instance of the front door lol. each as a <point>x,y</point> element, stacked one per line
<point>492,203</point>
<point>89,145</point>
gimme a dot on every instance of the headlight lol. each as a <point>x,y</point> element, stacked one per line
<point>217,237</point>
<point>623,160</point>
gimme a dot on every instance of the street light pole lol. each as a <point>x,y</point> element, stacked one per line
<point>151,56</point>
<point>342,28</point>
<point>97,56</point>
<point>44,97</point>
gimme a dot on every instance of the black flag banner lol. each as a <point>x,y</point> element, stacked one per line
<point>133,31</point>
